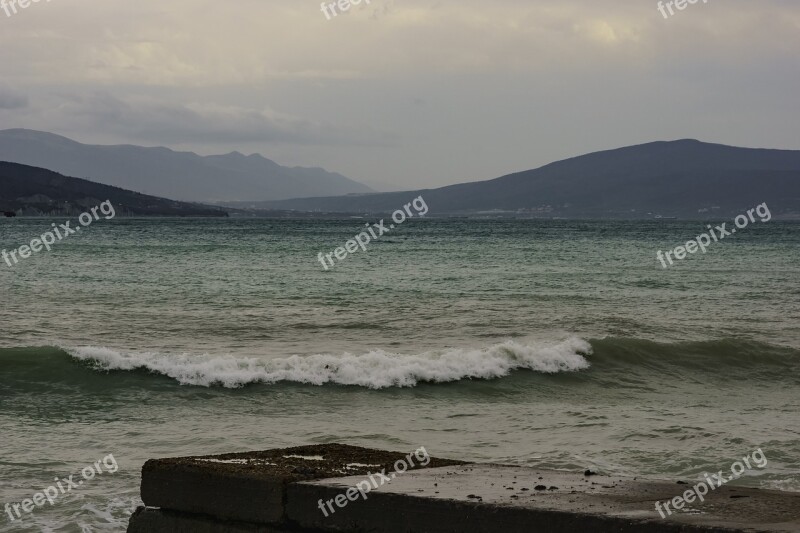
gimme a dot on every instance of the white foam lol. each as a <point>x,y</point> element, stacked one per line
<point>376,369</point>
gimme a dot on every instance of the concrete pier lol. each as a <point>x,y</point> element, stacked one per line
<point>286,490</point>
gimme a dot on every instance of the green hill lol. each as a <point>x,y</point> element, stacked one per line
<point>687,179</point>
<point>32,191</point>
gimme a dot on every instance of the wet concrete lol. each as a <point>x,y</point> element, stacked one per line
<point>514,499</point>
<point>159,520</point>
<point>251,486</point>
<point>280,490</point>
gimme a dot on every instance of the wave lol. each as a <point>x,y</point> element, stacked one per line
<point>611,360</point>
<point>376,369</point>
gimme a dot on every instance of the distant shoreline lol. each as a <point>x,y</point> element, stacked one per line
<point>352,216</point>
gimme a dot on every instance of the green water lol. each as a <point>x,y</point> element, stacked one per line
<point>563,344</point>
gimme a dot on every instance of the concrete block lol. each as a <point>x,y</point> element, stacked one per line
<point>251,486</point>
<point>161,521</point>
<point>491,498</point>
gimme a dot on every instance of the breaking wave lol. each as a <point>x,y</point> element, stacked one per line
<point>376,369</point>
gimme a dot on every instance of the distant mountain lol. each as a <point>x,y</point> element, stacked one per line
<point>180,175</point>
<point>686,178</point>
<point>32,191</point>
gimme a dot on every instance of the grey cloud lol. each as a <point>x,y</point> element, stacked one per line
<point>170,123</point>
<point>11,99</point>
<point>468,89</point>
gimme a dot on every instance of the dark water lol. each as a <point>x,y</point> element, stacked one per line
<point>556,343</point>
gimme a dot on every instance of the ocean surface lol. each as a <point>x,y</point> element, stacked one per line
<point>554,343</point>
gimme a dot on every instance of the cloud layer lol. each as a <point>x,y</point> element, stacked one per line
<point>407,93</point>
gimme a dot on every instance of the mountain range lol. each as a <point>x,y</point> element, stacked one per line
<point>31,191</point>
<point>685,178</point>
<point>167,173</point>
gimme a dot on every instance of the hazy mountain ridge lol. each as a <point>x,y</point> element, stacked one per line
<point>166,173</point>
<point>685,178</point>
<point>31,191</point>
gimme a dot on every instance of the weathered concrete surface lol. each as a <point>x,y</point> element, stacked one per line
<point>158,520</point>
<point>250,487</point>
<point>277,490</point>
<point>490,498</point>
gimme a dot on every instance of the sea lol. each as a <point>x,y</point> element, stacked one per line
<point>560,344</point>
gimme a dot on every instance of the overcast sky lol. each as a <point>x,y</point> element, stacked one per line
<point>404,93</point>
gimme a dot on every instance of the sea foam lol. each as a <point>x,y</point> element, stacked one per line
<point>376,369</point>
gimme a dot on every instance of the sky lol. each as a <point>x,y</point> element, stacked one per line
<point>404,94</point>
